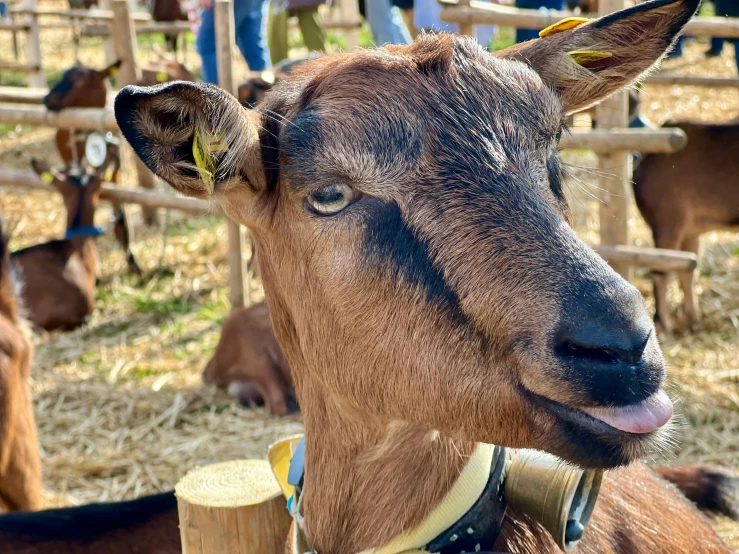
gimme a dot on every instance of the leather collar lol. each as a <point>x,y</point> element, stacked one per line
<point>476,531</point>
<point>86,231</point>
<point>479,528</point>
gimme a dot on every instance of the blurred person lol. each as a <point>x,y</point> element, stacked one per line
<point>250,28</point>
<point>309,21</point>
<point>385,21</point>
<point>406,11</point>
<point>523,35</point>
<point>426,16</point>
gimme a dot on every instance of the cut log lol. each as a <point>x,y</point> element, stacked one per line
<point>233,507</point>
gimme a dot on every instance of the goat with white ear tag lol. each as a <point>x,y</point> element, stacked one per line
<point>426,286</point>
<point>59,276</point>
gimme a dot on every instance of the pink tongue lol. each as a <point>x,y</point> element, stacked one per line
<point>644,417</point>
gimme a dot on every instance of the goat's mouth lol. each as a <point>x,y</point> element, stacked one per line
<point>610,436</point>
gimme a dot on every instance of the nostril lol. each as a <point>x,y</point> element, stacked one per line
<point>573,350</point>
<point>603,349</point>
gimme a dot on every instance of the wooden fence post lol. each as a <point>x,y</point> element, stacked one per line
<point>224,25</point>
<point>33,45</point>
<point>124,41</point>
<point>349,11</point>
<point>466,28</point>
<point>108,44</point>
<point>123,35</point>
<point>232,508</point>
<point>616,183</point>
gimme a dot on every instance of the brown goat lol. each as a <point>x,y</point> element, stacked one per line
<point>59,276</point>
<point>424,282</point>
<point>167,10</point>
<point>84,87</point>
<point>164,71</point>
<point>20,464</point>
<point>684,195</point>
<point>249,362</point>
<point>252,91</point>
<point>79,87</point>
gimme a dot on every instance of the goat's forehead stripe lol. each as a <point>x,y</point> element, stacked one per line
<point>390,241</point>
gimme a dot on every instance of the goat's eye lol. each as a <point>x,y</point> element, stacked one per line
<point>558,136</point>
<point>331,200</point>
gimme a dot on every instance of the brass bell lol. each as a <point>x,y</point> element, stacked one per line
<point>557,495</point>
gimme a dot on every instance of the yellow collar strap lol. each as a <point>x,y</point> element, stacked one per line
<point>458,501</point>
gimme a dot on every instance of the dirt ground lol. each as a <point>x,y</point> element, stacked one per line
<point>120,405</point>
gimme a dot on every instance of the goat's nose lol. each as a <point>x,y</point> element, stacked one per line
<point>606,346</point>
<point>600,343</point>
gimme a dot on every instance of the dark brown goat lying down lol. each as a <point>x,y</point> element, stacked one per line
<point>249,362</point>
<point>59,276</point>
<point>146,525</point>
<point>149,525</point>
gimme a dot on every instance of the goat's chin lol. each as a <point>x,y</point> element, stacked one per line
<point>588,450</point>
<point>587,442</point>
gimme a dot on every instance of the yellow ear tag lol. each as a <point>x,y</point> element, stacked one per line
<point>582,57</point>
<point>565,25</point>
<point>113,71</point>
<point>204,145</point>
<point>162,76</point>
<point>108,176</point>
<point>268,77</point>
<point>47,177</point>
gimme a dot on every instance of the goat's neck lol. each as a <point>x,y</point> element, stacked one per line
<point>86,249</point>
<point>368,480</point>
<point>83,216</point>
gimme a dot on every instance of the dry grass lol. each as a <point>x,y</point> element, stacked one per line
<point>119,403</point>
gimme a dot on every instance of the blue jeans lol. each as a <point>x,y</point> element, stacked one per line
<point>523,35</point>
<point>717,46</point>
<point>386,23</point>
<point>250,21</point>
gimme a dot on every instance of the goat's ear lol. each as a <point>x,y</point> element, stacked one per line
<point>586,63</point>
<point>108,168</point>
<point>112,69</point>
<point>48,175</point>
<point>111,164</point>
<point>194,136</point>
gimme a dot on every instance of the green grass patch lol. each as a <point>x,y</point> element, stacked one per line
<point>189,226</point>
<point>505,37</point>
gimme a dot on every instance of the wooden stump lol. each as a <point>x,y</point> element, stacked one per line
<point>232,508</point>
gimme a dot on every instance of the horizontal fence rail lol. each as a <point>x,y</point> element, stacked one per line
<point>635,256</point>
<point>103,119</point>
<point>112,192</point>
<point>692,81</point>
<point>485,13</point>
